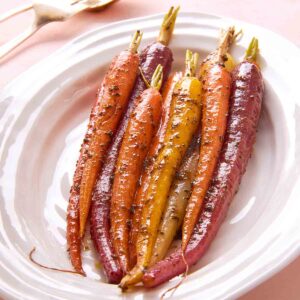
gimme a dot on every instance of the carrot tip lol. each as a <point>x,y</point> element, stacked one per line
<point>30,255</point>
<point>183,278</point>
<point>133,277</point>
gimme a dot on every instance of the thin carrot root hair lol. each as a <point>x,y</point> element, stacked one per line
<point>183,278</point>
<point>30,255</point>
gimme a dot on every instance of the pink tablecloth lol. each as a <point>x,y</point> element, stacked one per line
<point>281,16</point>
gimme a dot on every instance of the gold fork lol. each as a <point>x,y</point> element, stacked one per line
<point>47,12</point>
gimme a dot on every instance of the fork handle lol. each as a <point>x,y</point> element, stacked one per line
<point>15,11</point>
<point>12,44</point>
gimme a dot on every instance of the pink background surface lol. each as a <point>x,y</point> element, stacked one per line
<point>281,16</point>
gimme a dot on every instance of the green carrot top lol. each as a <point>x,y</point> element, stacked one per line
<point>135,41</point>
<point>191,62</point>
<point>157,78</point>
<point>252,51</point>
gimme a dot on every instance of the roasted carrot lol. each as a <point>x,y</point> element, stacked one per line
<point>177,201</point>
<point>112,101</point>
<point>156,145</point>
<point>150,57</point>
<point>183,122</point>
<point>216,92</point>
<point>135,145</point>
<point>105,115</point>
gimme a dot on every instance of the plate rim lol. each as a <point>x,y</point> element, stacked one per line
<point>68,47</point>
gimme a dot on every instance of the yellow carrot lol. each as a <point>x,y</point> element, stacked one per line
<point>183,122</point>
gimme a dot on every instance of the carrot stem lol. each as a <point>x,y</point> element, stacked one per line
<point>252,51</point>
<point>157,78</point>
<point>191,62</point>
<point>167,26</point>
<point>135,42</point>
<point>227,38</point>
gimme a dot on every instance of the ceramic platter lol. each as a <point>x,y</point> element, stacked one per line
<point>43,119</point>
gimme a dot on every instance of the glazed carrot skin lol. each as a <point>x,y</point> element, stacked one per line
<point>177,201</point>
<point>135,145</point>
<point>183,122</point>
<point>112,98</point>
<point>216,82</point>
<point>156,145</point>
<point>245,106</point>
<point>152,55</point>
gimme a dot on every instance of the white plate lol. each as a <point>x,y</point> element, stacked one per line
<point>43,118</point>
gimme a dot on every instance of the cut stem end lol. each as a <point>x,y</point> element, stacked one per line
<point>252,51</point>
<point>167,26</point>
<point>157,78</point>
<point>135,42</point>
<point>227,38</point>
<point>191,62</point>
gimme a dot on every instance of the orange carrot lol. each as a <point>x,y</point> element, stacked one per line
<point>73,238</point>
<point>156,144</point>
<point>112,101</point>
<point>135,145</point>
<point>216,92</point>
<point>106,113</point>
